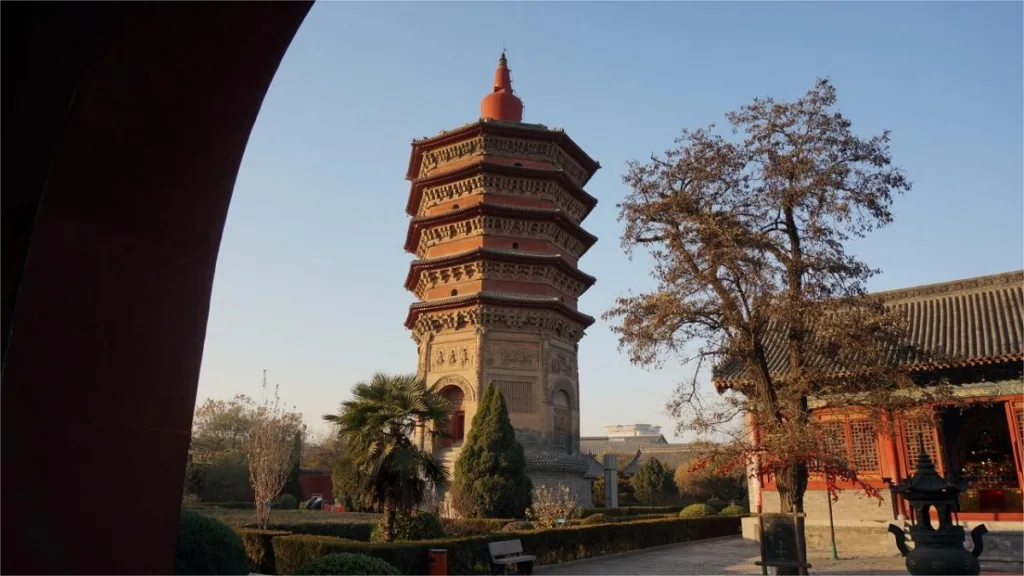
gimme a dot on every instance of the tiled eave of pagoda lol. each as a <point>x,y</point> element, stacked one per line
<point>532,132</point>
<point>422,223</point>
<point>484,168</point>
<point>482,260</point>
<point>975,322</point>
<point>498,311</point>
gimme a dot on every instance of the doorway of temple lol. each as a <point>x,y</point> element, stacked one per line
<point>980,445</point>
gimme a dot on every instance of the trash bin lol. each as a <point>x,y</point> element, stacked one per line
<point>437,562</point>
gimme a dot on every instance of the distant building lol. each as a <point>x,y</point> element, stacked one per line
<point>633,444</point>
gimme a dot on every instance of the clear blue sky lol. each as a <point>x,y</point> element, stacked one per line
<point>309,280</point>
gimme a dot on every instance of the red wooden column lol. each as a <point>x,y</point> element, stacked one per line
<point>100,376</point>
<point>891,466</point>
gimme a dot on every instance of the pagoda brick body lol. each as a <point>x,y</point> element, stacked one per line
<point>496,209</point>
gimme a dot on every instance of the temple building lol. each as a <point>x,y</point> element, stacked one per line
<point>496,209</point>
<point>976,327</point>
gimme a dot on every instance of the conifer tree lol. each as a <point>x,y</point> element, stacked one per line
<point>490,480</point>
<point>653,482</point>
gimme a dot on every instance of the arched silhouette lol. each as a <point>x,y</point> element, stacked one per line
<point>130,120</point>
<point>456,416</point>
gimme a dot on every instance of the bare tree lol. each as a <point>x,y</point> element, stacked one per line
<point>748,237</point>
<point>270,452</point>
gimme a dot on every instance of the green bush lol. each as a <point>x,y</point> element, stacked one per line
<point>471,555</point>
<point>697,511</point>
<point>594,519</point>
<point>517,526</point>
<point>346,564</point>
<point>733,510</point>
<point>286,502</point>
<point>717,503</point>
<point>411,527</point>
<point>260,549</point>
<point>490,477</point>
<point>208,546</point>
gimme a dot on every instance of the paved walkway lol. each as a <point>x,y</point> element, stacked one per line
<point>731,555</point>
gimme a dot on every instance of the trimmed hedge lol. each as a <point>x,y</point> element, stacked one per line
<point>470,555</point>
<point>461,527</point>
<point>260,549</point>
<point>410,527</point>
<point>349,530</point>
<point>634,510</point>
<point>226,505</point>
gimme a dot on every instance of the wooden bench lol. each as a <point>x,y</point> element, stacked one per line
<point>507,553</point>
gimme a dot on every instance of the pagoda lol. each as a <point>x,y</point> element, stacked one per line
<point>496,208</point>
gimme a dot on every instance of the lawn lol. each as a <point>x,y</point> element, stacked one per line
<point>243,517</point>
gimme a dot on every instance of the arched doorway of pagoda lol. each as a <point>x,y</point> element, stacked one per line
<point>126,124</point>
<point>562,425</point>
<point>456,416</point>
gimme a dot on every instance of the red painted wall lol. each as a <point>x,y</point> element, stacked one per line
<point>316,484</point>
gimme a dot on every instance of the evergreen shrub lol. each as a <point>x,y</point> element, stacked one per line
<point>717,503</point>
<point>697,511</point>
<point>733,510</point>
<point>346,564</point>
<point>490,475</point>
<point>411,527</point>
<point>208,546</point>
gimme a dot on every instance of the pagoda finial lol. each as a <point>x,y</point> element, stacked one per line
<point>502,104</point>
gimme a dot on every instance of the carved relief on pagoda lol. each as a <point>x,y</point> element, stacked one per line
<point>512,355</point>
<point>491,270</point>
<point>498,226</point>
<point>449,357</point>
<point>562,363</point>
<point>529,321</point>
<point>500,184</point>
<point>438,158</point>
<point>459,382</point>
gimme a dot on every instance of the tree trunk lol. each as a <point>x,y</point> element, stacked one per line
<point>791,484</point>
<point>389,522</point>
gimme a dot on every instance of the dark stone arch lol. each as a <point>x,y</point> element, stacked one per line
<point>124,126</point>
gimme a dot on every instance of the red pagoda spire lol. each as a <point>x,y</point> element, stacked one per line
<point>502,104</point>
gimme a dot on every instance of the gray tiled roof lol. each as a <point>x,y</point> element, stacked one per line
<point>960,323</point>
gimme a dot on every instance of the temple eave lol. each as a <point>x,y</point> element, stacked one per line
<point>485,166</point>
<point>418,267</point>
<point>508,300</point>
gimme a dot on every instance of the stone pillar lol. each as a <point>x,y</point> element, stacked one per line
<point>611,481</point>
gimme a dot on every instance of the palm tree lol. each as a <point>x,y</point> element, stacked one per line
<point>377,425</point>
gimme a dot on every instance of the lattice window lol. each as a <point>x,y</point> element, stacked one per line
<point>834,436</point>
<point>913,431</point>
<point>855,440</point>
<point>864,445</point>
<point>518,395</point>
